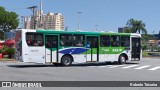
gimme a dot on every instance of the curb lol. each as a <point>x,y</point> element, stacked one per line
<point>7,60</point>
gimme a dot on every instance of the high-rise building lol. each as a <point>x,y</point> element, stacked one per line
<point>53,21</point>
<point>46,21</point>
<point>27,22</point>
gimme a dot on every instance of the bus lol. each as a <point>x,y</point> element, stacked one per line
<point>66,47</point>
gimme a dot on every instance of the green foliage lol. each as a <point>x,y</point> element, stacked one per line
<point>1,50</point>
<point>8,20</point>
<point>128,30</point>
<point>135,26</point>
<point>5,48</point>
<point>146,37</point>
<point>2,35</point>
<point>10,51</point>
<point>144,47</point>
<point>145,54</point>
<point>158,48</point>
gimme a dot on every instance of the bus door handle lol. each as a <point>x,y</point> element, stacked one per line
<point>26,54</point>
<point>48,54</point>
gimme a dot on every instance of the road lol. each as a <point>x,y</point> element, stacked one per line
<point>148,69</point>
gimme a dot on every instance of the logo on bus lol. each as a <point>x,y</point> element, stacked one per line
<point>34,50</point>
<point>116,50</point>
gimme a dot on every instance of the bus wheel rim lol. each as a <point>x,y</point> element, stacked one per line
<point>123,59</point>
<point>66,60</point>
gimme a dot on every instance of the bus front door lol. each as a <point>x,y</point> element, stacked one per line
<point>136,48</point>
<point>93,46</point>
<point>51,48</point>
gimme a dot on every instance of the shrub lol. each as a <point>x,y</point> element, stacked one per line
<point>10,52</point>
<point>1,50</point>
<point>4,50</point>
<point>144,47</point>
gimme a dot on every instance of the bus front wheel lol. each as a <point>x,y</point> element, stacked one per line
<point>122,59</point>
<point>66,60</point>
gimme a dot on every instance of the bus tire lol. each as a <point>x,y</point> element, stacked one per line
<point>122,59</point>
<point>66,60</point>
<point>57,64</point>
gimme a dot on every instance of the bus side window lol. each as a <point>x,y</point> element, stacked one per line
<point>40,43</point>
<point>62,43</point>
<point>34,39</point>
<point>105,41</point>
<point>78,40</point>
<point>125,41</point>
<point>66,40</point>
<point>29,42</point>
<point>115,40</point>
<point>48,44</point>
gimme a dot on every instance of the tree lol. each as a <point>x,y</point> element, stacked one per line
<point>8,20</point>
<point>135,26</point>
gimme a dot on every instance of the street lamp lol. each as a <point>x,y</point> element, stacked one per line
<point>33,10</point>
<point>79,19</point>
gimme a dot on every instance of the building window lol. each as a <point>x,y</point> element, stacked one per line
<point>34,39</point>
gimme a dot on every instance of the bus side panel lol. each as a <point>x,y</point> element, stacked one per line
<point>103,56</point>
<point>77,53</point>
<point>112,57</point>
<point>48,55</point>
<point>34,54</point>
<point>79,58</point>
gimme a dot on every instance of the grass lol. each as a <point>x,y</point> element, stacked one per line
<point>145,53</point>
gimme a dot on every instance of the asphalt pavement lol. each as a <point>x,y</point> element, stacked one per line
<point>148,69</point>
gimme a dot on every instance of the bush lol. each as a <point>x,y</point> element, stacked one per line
<point>144,47</point>
<point>1,50</point>
<point>10,52</point>
<point>4,50</point>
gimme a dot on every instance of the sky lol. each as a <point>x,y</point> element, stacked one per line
<point>105,15</point>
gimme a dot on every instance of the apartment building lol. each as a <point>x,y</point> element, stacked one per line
<point>53,21</point>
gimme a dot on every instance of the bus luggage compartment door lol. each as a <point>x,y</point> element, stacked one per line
<point>51,48</point>
<point>136,49</point>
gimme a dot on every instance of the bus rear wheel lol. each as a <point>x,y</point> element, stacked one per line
<point>66,60</point>
<point>122,59</point>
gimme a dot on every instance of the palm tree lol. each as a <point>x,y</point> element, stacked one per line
<point>135,26</point>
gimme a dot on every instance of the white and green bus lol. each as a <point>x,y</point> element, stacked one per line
<point>65,47</point>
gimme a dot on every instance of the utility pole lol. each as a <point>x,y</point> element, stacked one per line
<point>33,10</point>
<point>79,19</point>
<point>22,22</point>
<point>41,12</point>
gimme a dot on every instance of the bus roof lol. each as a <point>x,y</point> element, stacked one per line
<point>82,32</point>
<point>78,32</point>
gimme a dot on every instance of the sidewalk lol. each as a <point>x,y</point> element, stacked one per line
<point>7,60</point>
